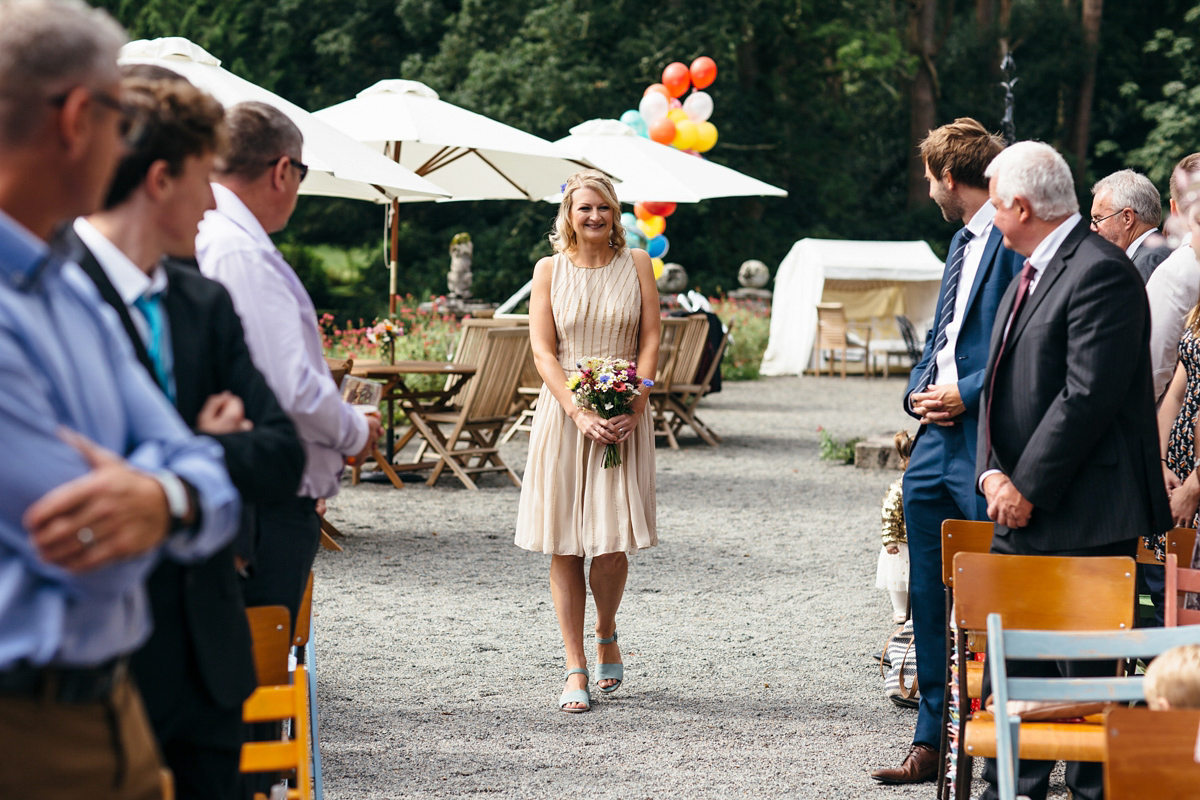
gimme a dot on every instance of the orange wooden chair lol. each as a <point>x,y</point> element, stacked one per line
<point>286,703</point>
<point>1048,593</point>
<point>1151,754</point>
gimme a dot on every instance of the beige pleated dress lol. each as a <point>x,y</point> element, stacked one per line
<point>570,504</point>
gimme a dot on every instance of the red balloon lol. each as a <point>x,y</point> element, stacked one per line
<point>703,72</point>
<point>676,78</point>
<point>642,212</point>
<point>657,87</point>
<point>659,209</point>
<point>663,131</point>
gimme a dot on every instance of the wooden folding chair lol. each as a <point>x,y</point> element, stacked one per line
<point>271,634</point>
<point>833,335</point>
<point>1048,593</point>
<point>477,424</point>
<point>1070,741</point>
<point>685,394</point>
<point>1150,755</point>
<point>1181,542</point>
<point>286,703</point>
<point>1180,582</point>
<point>529,388</point>
<point>668,351</point>
<point>959,536</point>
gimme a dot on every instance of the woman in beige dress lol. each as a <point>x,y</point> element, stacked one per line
<point>595,297</point>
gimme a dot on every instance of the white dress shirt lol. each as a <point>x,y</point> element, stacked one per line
<point>283,338</point>
<point>1172,291</point>
<point>980,227</point>
<point>1136,243</point>
<point>1041,257</point>
<point>131,284</point>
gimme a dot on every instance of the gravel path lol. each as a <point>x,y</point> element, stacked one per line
<point>747,631</point>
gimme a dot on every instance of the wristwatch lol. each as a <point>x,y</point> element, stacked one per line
<point>181,498</point>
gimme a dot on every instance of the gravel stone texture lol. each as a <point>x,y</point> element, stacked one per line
<point>747,632</point>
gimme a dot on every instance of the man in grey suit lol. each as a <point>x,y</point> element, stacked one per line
<point>1127,210</point>
<point>1068,454</point>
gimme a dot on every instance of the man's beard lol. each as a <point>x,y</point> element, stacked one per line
<point>951,206</point>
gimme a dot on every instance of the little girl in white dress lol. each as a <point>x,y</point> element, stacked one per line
<point>892,572</point>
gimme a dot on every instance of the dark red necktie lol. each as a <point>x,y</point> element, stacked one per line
<point>1027,274</point>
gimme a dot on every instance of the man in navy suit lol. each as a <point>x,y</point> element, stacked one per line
<point>943,393</point>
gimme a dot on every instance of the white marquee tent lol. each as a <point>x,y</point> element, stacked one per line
<point>874,280</point>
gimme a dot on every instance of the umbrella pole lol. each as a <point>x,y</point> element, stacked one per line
<point>395,255</point>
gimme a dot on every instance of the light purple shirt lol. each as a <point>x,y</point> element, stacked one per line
<point>282,334</point>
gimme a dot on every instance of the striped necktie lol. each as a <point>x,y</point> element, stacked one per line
<point>949,301</point>
<point>151,310</point>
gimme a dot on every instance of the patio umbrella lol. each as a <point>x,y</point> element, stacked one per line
<point>652,171</point>
<point>338,165</point>
<point>470,155</point>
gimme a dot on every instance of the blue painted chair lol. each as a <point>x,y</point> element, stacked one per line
<point>1038,645</point>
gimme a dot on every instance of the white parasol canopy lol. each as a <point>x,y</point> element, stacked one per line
<point>472,156</point>
<point>338,165</point>
<point>652,171</point>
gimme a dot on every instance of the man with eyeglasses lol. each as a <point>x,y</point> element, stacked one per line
<point>256,184</point>
<point>99,475</point>
<point>1127,210</point>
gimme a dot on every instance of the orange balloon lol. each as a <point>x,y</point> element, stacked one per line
<point>703,72</point>
<point>657,87</point>
<point>640,210</point>
<point>663,131</point>
<point>676,78</point>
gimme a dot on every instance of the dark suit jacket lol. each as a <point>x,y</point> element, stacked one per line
<point>1072,409</point>
<point>198,611</point>
<point>997,268</point>
<point>1149,255</point>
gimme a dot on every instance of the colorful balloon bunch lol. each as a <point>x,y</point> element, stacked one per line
<point>666,119</point>
<point>644,229</point>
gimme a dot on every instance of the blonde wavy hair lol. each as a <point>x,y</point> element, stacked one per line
<point>563,238</point>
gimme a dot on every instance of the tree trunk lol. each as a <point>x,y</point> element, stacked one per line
<point>1080,135</point>
<point>921,35</point>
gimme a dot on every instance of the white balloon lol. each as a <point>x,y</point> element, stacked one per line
<point>653,107</point>
<point>698,106</point>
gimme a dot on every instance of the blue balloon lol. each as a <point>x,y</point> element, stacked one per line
<point>634,120</point>
<point>629,221</point>
<point>658,246</point>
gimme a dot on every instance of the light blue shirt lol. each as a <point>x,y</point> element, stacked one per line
<point>65,362</point>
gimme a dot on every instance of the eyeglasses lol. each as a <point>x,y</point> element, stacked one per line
<point>300,166</point>
<point>1097,220</point>
<point>125,125</point>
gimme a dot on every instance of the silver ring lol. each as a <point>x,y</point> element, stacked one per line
<point>85,536</point>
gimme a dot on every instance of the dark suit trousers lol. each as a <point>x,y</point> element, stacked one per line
<point>289,533</point>
<point>1085,779</point>
<point>938,485</point>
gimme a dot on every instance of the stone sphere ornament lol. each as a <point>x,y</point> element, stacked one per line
<point>753,274</point>
<point>674,279</point>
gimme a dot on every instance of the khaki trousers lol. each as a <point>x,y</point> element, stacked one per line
<point>64,751</point>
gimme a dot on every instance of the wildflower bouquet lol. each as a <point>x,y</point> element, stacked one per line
<point>384,334</point>
<point>607,386</point>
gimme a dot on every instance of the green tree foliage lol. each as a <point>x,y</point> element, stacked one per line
<point>811,96</point>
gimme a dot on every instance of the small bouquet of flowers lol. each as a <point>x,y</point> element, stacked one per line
<point>384,333</point>
<point>607,386</point>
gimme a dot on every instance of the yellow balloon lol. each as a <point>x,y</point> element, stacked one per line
<point>706,137</point>
<point>652,226</point>
<point>677,115</point>
<point>658,267</point>
<point>685,135</point>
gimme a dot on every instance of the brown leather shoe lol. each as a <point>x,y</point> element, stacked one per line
<point>920,765</point>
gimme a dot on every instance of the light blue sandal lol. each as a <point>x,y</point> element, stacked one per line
<point>576,695</point>
<point>609,672</point>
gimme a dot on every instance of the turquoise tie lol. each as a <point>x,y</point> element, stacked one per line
<point>151,310</point>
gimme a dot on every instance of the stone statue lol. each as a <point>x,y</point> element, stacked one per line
<point>459,279</point>
<point>674,279</point>
<point>754,274</point>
